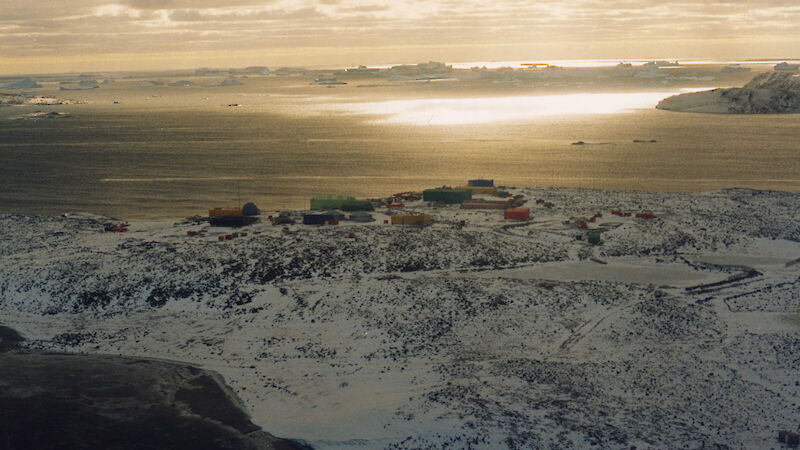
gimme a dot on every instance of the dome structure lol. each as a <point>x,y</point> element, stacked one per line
<point>250,209</point>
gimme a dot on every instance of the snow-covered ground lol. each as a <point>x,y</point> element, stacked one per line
<point>678,331</point>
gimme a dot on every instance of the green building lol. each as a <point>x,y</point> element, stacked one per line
<point>341,202</point>
<point>446,195</point>
<point>357,205</point>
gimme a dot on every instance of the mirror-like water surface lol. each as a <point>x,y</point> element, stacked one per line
<point>184,151</point>
<point>482,110</point>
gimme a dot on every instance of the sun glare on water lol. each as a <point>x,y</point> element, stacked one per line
<point>467,111</point>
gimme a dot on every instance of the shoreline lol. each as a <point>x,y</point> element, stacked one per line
<point>541,189</point>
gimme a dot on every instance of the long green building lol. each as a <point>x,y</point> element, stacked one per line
<point>446,195</point>
<point>341,202</point>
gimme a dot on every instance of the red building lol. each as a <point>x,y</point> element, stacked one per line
<point>517,214</point>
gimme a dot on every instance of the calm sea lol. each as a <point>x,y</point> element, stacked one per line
<point>166,153</point>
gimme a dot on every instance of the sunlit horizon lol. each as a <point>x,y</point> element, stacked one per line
<point>123,35</point>
<point>485,110</point>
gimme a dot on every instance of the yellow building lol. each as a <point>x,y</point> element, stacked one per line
<point>411,219</point>
<point>224,212</point>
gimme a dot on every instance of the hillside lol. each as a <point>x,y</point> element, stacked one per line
<point>679,330</point>
<point>60,400</point>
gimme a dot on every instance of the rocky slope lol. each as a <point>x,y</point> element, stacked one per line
<point>768,93</point>
<point>96,401</point>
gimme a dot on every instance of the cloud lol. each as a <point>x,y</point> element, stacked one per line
<point>175,4</point>
<point>365,8</point>
<point>223,16</point>
<point>96,27</point>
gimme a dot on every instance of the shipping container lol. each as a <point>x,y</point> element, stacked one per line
<point>517,214</point>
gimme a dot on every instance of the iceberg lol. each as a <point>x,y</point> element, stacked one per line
<point>79,86</point>
<point>25,83</point>
<point>735,68</point>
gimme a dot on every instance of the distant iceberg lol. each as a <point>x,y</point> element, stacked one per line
<point>206,72</point>
<point>252,70</point>
<point>79,86</point>
<point>227,82</point>
<point>327,81</point>
<point>26,83</point>
<point>735,68</point>
<point>44,115</point>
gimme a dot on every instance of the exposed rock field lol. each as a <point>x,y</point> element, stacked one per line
<point>679,331</point>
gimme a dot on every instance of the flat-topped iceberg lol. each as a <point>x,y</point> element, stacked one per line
<point>82,85</point>
<point>25,83</point>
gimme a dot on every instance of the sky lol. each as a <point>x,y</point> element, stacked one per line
<point>81,35</point>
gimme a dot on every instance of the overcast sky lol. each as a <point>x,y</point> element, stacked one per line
<point>61,35</point>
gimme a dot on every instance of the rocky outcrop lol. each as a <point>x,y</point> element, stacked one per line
<point>776,81</point>
<point>53,400</point>
<point>768,93</point>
